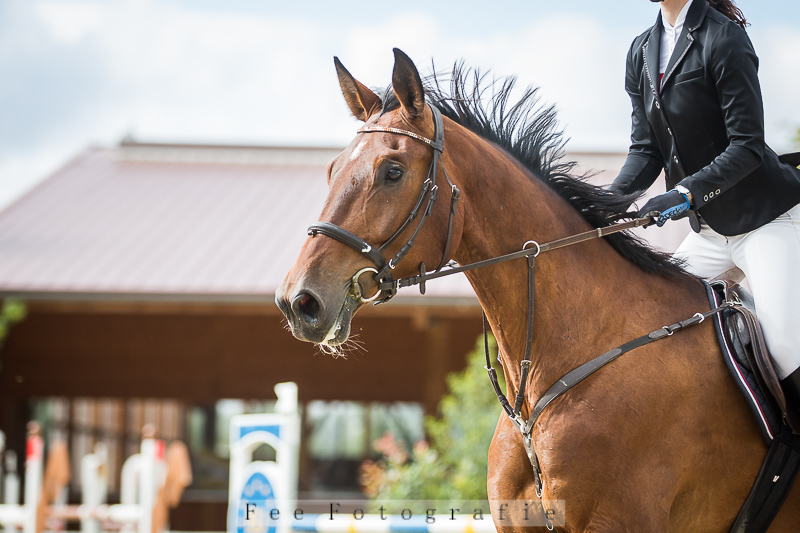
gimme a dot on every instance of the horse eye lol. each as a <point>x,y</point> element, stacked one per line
<point>394,174</point>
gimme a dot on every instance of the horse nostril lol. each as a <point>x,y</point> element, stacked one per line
<point>306,307</point>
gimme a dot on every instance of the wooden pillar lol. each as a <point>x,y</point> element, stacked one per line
<point>436,362</point>
<point>14,417</point>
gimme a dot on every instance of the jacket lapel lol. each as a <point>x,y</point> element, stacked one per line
<point>694,18</point>
<point>652,49</point>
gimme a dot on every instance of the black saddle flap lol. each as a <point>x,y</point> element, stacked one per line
<point>790,159</point>
<point>747,340</point>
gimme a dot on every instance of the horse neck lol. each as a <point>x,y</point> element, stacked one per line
<point>576,287</point>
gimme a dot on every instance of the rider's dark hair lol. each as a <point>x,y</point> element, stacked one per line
<point>729,9</point>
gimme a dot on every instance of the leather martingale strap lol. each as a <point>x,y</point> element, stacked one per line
<point>571,379</point>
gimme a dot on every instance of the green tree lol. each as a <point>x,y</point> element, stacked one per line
<point>453,465</point>
<point>11,312</point>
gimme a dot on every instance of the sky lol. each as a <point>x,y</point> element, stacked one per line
<point>79,73</point>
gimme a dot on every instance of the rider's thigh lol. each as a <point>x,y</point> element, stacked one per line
<point>770,256</point>
<point>706,254</point>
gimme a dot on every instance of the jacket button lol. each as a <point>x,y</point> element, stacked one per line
<point>675,158</point>
<point>658,106</point>
<point>669,131</point>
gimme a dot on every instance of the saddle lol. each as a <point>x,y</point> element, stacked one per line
<point>746,355</point>
<point>745,338</point>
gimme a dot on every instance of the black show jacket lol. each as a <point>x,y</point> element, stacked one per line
<point>706,125</point>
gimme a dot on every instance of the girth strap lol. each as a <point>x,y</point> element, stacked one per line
<point>772,485</point>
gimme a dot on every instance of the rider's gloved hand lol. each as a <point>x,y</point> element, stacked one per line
<point>665,206</point>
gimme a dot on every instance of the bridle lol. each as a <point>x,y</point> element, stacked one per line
<point>387,286</point>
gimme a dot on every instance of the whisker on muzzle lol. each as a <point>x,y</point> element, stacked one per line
<point>351,345</point>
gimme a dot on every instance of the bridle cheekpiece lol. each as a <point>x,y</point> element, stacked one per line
<point>387,286</point>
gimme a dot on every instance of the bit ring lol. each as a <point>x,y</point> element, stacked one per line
<point>357,286</point>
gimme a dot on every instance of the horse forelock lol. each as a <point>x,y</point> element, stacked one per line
<point>528,131</point>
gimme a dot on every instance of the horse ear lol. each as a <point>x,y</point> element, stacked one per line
<point>361,101</point>
<point>407,84</point>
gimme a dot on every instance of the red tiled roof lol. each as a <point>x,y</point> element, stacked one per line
<point>172,221</point>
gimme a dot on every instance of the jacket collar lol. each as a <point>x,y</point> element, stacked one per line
<point>694,19</point>
<point>696,15</point>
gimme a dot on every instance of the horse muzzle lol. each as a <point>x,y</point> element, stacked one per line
<point>312,319</point>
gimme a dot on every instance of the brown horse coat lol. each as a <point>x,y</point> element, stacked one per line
<point>659,441</point>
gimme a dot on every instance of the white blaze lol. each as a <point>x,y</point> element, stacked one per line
<point>357,150</point>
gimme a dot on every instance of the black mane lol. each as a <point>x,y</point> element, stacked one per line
<point>529,132</point>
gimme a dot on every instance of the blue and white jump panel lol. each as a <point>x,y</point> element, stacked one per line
<point>393,524</point>
<point>256,487</point>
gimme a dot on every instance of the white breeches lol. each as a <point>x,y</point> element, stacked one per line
<point>770,258</point>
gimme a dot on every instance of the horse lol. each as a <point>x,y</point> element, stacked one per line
<point>660,440</point>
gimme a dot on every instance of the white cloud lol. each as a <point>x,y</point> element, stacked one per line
<point>778,49</point>
<point>89,72</point>
<point>69,21</point>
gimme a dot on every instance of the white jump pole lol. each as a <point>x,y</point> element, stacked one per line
<point>148,480</point>
<point>34,456</point>
<point>142,475</point>
<point>140,479</point>
<point>94,484</point>
<point>33,476</point>
<point>11,491</point>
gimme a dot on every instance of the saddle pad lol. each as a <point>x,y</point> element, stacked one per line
<point>767,419</point>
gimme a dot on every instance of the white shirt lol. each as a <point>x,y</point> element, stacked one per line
<point>669,37</point>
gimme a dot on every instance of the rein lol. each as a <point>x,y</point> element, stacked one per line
<point>596,233</point>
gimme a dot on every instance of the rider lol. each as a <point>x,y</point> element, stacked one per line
<point>698,114</point>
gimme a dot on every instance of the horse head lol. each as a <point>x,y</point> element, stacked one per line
<point>387,175</point>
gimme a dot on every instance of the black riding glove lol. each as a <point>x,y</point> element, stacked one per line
<point>665,206</point>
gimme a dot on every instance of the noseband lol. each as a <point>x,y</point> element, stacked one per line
<point>383,267</point>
